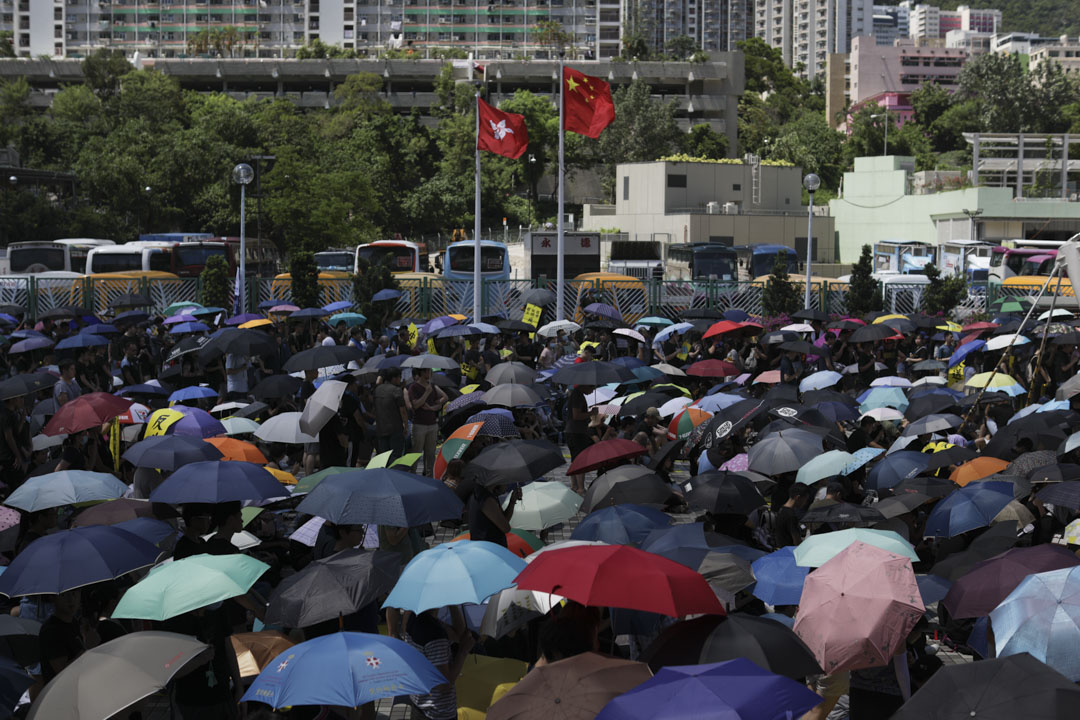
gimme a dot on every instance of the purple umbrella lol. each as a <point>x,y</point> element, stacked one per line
<point>241,319</point>
<point>197,423</point>
<point>188,327</point>
<point>31,343</point>
<point>436,324</point>
<point>604,310</point>
<point>986,585</point>
<point>474,398</point>
<point>182,318</point>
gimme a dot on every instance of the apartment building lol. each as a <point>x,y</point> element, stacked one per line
<point>807,31</point>
<point>1065,52</point>
<point>891,22</point>
<point>932,23</point>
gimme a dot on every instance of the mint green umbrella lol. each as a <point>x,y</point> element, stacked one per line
<point>349,318</point>
<point>174,588</point>
<point>817,550</point>
<point>178,306</point>
<point>824,465</point>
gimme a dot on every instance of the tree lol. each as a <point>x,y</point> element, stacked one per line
<point>214,283</point>
<point>305,280</point>
<point>102,70</point>
<point>644,129</point>
<point>942,295</point>
<point>7,44</point>
<point>681,47</point>
<point>780,296</point>
<point>810,143</point>
<point>550,34</point>
<point>704,142</point>
<point>864,292</point>
<point>369,280</point>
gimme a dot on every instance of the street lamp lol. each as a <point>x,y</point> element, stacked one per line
<point>972,214</point>
<point>242,174</point>
<point>811,182</point>
<point>885,115</point>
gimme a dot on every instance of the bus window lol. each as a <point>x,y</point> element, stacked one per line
<point>196,255</point>
<point>334,260</point>
<point>400,258</point>
<point>492,259</point>
<point>714,262</point>
<point>160,260</point>
<point>117,262</point>
<point>763,263</point>
<point>51,258</point>
<point>78,261</point>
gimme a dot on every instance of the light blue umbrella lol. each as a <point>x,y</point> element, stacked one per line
<point>964,350</point>
<point>779,579</point>
<point>667,332</point>
<point>860,457</point>
<point>338,306</point>
<point>652,320</point>
<point>387,294</point>
<point>1010,390</point>
<point>345,669</point>
<point>486,328</point>
<point>67,487</point>
<point>825,465</point>
<point>819,380</point>
<point>349,318</point>
<point>817,550</point>
<point>188,327</point>
<point>884,397</point>
<point>718,401</point>
<point>466,571</point>
<point>1042,617</point>
<point>193,392</point>
<point>970,507</point>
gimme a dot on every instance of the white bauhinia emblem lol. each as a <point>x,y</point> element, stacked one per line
<point>787,412</point>
<point>499,130</point>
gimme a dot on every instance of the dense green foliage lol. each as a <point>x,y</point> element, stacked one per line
<point>305,280</point>
<point>214,288</point>
<point>780,296</point>
<point>369,280</point>
<point>1049,18</point>
<point>864,292</point>
<point>942,295</point>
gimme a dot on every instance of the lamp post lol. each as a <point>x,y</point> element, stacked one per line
<point>972,235</point>
<point>811,182</point>
<point>242,174</point>
<point>885,115</point>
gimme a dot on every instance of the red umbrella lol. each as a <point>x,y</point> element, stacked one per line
<point>980,326</point>
<point>752,327</point>
<point>604,453</point>
<point>84,412</point>
<point>724,326</point>
<point>622,577</point>
<point>712,368</point>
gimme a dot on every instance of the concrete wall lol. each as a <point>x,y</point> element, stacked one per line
<point>650,190</point>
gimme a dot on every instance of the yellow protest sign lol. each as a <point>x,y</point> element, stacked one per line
<point>160,421</point>
<point>414,335</point>
<point>431,347</point>
<point>379,461</point>
<point>532,316</point>
<point>956,374</point>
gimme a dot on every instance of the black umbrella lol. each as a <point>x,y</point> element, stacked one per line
<point>928,485</point>
<point>724,493</point>
<point>131,300</point>
<point>1015,686</point>
<point>901,325</point>
<point>514,462</point>
<point>845,325</point>
<point>594,373</point>
<point>188,345</point>
<point>815,397</point>
<point>641,403</point>
<point>843,513</point>
<point>601,324</point>
<point>322,356</point>
<point>713,638</point>
<point>510,372</point>
<point>514,326</point>
<point>239,342</point>
<point>12,309</point>
<point>929,424</point>
<point>929,404</point>
<point>329,588</point>
<point>667,450</point>
<point>780,395</point>
<point>896,505</point>
<point>19,639</point>
<point>273,387</point>
<point>1069,338</point>
<point>1042,430</point>
<point>1063,494</point>
<point>872,333</point>
<point>955,455</point>
<point>929,366</point>
<point>925,322</point>
<point>1056,473</point>
<point>634,484</point>
<point>811,314</point>
<point>26,383</point>
<point>993,541</point>
<point>538,296</point>
<point>729,420</point>
<point>778,336</point>
<point>803,347</point>
<point>252,411</point>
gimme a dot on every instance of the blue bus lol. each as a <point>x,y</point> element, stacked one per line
<point>758,260</point>
<point>494,261</point>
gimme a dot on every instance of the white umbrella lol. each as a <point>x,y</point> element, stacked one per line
<point>669,370</point>
<point>819,380</point>
<point>553,328</point>
<point>891,381</point>
<point>1003,341</point>
<point>224,407</point>
<point>673,406</point>
<point>321,406</point>
<point>930,380</point>
<point>284,428</point>
<point>632,334</point>
<point>44,442</point>
<point>1056,312</point>
<point>544,505</point>
<point>883,413</point>
<point>798,327</point>
<point>242,540</point>
<point>670,330</point>
<point>239,425</point>
<point>600,395</point>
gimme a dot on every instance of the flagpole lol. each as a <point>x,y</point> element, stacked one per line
<point>477,310</point>
<point>560,271</point>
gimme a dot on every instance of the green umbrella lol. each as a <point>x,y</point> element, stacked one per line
<point>104,681</point>
<point>545,504</point>
<point>307,484</point>
<point>239,425</point>
<point>531,540</point>
<point>817,550</point>
<point>825,465</point>
<point>176,307</point>
<point>349,318</point>
<point>174,588</point>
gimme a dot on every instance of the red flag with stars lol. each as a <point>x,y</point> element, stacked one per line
<point>587,104</point>
<point>501,132</point>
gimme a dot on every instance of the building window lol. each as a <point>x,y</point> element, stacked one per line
<point>676,181</point>
<point>736,187</point>
<point>626,187</point>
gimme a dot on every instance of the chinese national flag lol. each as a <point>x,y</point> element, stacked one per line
<point>501,132</point>
<point>587,104</point>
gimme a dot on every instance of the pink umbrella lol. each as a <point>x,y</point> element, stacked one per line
<point>858,608</point>
<point>769,376</point>
<point>739,462</point>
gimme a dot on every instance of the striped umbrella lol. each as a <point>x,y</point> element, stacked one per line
<point>455,446</point>
<point>686,421</point>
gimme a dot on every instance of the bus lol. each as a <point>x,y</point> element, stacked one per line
<point>403,256</point>
<point>625,293</point>
<point>64,255</point>
<point>261,259</point>
<point>702,261</point>
<point>189,258</point>
<point>494,261</point>
<point>174,237</point>
<point>1006,262</point>
<point>758,260</point>
<point>131,257</point>
<point>907,257</point>
<point>1020,243</point>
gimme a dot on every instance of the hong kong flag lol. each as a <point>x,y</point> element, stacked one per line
<point>501,132</point>
<point>587,104</point>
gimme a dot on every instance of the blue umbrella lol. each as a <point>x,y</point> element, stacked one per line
<point>970,507</point>
<point>476,397</point>
<point>718,401</point>
<point>169,452</point>
<point>308,313</point>
<point>895,468</point>
<point>732,690</point>
<point>29,344</point>
<point>884,397</point>
<point>381,362</point>
<point>192,392</point>
<point>9,319</point>
<point>625,524</point>
<point>66,487</point>
<point>188,327</point>
<point>1041,617</point>
<point>245,317</point>
<point>381,496</point>
<point>337,306</point>
<point>670,330</point>
<point>779,579</point>
<point>736,315</point>
<point>25,334</point>
<point>387,294</point>
<point>181,317</point>
<point>496,424</point>
<point>646,373</point>
<point>837,411</point>
<point>465,571</point>
<point>267,304</point>
<point>151,530</point>
<point>860,457</point>
<point>820,380</point>
<point>218,482</point>
<point>486,328</point>
<point>932,588</point>
<point>100,329</point>
<point>82,340</point>
<point>964,350</point>
<point>629,362</point>
<point>344,669</point>
<point>604,310</point>
<point>688,544</point>
<point>71,559</point>
<point>142,389</point>
<point>458,331</point>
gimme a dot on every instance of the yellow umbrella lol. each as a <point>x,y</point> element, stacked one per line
<point>883,318</point>
<point>282,476</point>
<point>950,326</point>
<point>458,316</point>
<point>984,380</point>
<point>256,323</point>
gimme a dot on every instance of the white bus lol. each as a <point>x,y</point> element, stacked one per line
<point>64,255</point>
<point>130,257</point>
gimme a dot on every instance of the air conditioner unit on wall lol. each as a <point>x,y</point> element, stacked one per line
<point>731,208</point>
<point>712,208</point>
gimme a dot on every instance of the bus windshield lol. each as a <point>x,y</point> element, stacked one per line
<point>763,263</point>
<point>399,257</point>
<point>48,257</point>
<point>492,259</point>
<point>714,263</point>
<point>334,260</point>
<point>196,254</point>
<point>117,262</point>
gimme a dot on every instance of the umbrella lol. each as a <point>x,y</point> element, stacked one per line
<point>1041,617</point>
<point>232,449</point>
<point>323,356</point>
<point>1064,494</point>
<point>382,496</point>
<point>466,571</point>
<point>544,505</point>
<point>784,451</point>
<point>84,412</point>
<point>857,609</point>
<point>819,380</point>
<point>968,508</point>
<point>620,524</point>
<point>828,464</point>
<point>977,469</point>
<point>334,586</point>
<point>344,669</point>
<point>724,493</point>
<point>237,320</point>
<point>985,586</point>
<point>604,310</point>
<point>554,328</point>
<point>896,467</point>
<point>180,586</point>
<point>456,443</point>
<point>104,681</point>
<point>510,372</point>
<point>576,687</point>
<point>1004,688</point>
<point>218,482</point>
<point>277,386</point>
<point>632,334</point>
<point>621,577</point>
<point>188,327</point>
<point>627,484</point>
<point>284,428</point>
<point>881,397</point>
<point>430,361</point>
<point>30,344</point>
<point>255,650</point>
<point>652,320</point>
<point>998,382</point>
<point>842,513</point>
<point>538,296</point>
<point>897,505</point>
<point>712,368</point>
<point>351,319</point>
<point>604,453</point>
<point>238,341</point>
<point>594,373</point>
<point>82,341</point>
<point>113,512</point>
<point>514,462</point>
<point>818,549</point>
<point>181,306</point>
<point>193,392</point>
<point>779,579</point>
<point>871,333</point>
<point>511,395</point>
<point>688,544</point>
<point>66,487</point>
<point>685,421</point>
<point>386,294</point>
<point>991,542</point>
<point>19,640</point>
<point>196,423</point>
<point>321,406</point>
<point>953,455</point>
<point>932,424</point>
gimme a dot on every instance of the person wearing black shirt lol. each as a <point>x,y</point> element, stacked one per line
<point>786,531</point>
<point>487,519</point>
<point>60,639</point>
<point>196,524</point>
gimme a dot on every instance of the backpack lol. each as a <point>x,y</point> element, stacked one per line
<point>764,533</point>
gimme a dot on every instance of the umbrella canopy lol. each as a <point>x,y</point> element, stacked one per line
<point>620,524</point>
<point>1041,617</point>
<point>514,462</point>
<point>828,464</point>
<point>218,482</point>
<point>932,424</point>
<point>977,469</point>
<point>277,386</point>
<point>779,579</point>
<point>323,356</point>
<point>842,513</point>
<point>382,496</point>
<point>986,585</point>
<point>593,373</point>
<point>337,585</point>
<point>784,451</point>
<point>968,508</point>
<point>552,329</point>
<point>456,443</point>
<point>544,505</point>
<point>105,680</point>
<point>724,493</point>
<point>510,372</point>
<point>321,406</point>
<point>626,484</point>
<point>466,571</point>
<point>284,428</point>
<point>604,453</point>
<point>180,586</point>
<point>857,609</point>
<point>237,450</point>
<point>895,468</point>
<point>819,380</point>
<point>575,688</point>
<point>196,423</point>
<point>621,577</point>
<point>84,412</point>
<point>66,487</point>
<point>169,452</point>
<point>818,549</point>
<point>511,395</point>
<point>345,669</point>
<point>71,559</point>
<point>255,650</point>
